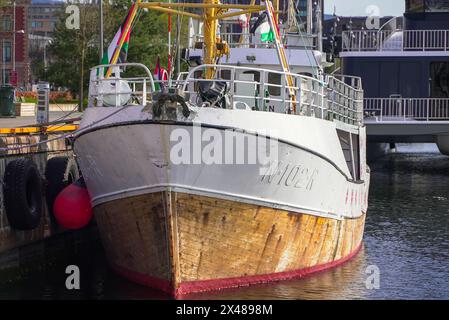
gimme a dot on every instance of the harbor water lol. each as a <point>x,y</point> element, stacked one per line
<point>406,241</point>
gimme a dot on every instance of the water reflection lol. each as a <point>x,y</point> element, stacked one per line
<point>406,237</point>
<point>344,282</point>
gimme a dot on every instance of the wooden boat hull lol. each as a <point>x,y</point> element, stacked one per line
<point>196,225</point>
<point>182,243</point>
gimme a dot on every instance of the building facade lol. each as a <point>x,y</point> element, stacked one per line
<point>15,64</point>
<point>410,62</point>
<point>43,16</point>
<point>25,38</point>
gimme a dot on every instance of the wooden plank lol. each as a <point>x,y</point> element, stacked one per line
<point>28,130</point>
<point>206,238</point>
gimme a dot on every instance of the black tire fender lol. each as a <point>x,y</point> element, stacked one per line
<point>23,194</point>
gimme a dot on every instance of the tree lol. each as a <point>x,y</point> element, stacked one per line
<point>73,50</point>
<point>4,3</point>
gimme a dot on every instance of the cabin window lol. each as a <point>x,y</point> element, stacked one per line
<point>225,74</point>
<point>256,78</point>
<point>350,146</point>
<point>274,78</point>
<point>255,73</point>
<point>197,75</point>
<point>356,155</point>
<point>439,75</point>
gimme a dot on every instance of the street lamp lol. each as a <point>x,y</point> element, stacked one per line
<point>14,40</point>
<point>47,42</point>
<point>4,62</point>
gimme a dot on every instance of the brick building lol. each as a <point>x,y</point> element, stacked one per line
<point>14,57</point>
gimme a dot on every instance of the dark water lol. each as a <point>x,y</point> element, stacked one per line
<point>406,237</point>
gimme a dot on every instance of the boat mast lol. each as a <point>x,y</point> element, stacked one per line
<point>309,16</point>
<point>210,37</point>
<point>276,9</point>
<point>213,10</point>
<point>319,26</point>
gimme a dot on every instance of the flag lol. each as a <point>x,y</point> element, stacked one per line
<point>115,43</point>
<point>160,74</point>
<point>157,74</point>
<point>262,27</point>
<point>266,34</point>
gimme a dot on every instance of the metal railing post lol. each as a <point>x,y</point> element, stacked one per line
<point>404,111</point>
<point>428,109</point>
<point>232,88</point>
<point>424,41</point>
<point>360,41</point>
<point>322,100</point>
<point>262,89</point>
<point>284,91</point>
<point>144,92</point>
<point>381,109</point>
<point>445,40</point>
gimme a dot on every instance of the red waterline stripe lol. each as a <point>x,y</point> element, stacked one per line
<point>217,284</point>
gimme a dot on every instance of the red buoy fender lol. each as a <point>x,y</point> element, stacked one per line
<point>72,207</point>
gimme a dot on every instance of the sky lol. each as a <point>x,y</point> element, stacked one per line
<point>359,7</point>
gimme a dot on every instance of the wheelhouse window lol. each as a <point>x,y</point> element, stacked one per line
<point>274,79</point>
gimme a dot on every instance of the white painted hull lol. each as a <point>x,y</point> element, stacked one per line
<point>129,154</point>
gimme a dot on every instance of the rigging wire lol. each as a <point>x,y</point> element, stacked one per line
<point>297,16</point>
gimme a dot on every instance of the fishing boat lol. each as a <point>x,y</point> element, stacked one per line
<point>248,168</point>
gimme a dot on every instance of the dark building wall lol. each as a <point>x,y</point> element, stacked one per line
<point>409,77</point>
<point>426,21</point>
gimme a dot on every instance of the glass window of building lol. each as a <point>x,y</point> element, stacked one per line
<point>6,51</point>
<point>37,24</point>
<point>6,23</point>
<point>437,6</point>
<point>419,6</point>
<point>439,75</point>
<point>5,73</point>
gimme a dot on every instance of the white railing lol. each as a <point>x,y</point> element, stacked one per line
<point>396,40</point>
<point>337,98</point>
<point>345,98</point>
<point>331,99</point>
<point>407,109</point>
<point>117,90</point>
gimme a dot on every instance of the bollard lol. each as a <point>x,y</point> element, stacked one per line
<point>7,101</point>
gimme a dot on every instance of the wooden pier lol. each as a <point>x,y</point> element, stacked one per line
<point>39,144</point>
